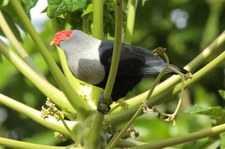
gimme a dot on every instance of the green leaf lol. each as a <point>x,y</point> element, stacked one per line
<point>217,113</point>
<point>195,109</point>
<point>58,7</point>
<point>29,4</point>
<point>222,93</point>
<point>88,10</point>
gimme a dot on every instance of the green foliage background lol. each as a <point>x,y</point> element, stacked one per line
<point>153,28</point>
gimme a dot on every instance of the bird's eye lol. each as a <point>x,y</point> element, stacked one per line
<point>68,35</point>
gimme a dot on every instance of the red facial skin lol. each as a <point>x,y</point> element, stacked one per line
<point>60,36</point>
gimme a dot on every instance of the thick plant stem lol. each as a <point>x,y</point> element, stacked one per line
<point>96,127</point>
<point>97,124</point>
<point>74,82</point>
<point>206,52</point>
<point>98,19</point>
<point>19,49</point>
<point>115,139</point>
<point>45,87</point>
<point>201,73</point>
<point>132,5</point>
<point>35,115</point>
<point>93,137</point>
<point>116,51</point>
<point>77,103</point>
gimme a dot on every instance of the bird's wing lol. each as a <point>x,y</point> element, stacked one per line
<point>134,61</point>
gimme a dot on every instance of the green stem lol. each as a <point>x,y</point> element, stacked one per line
<point>117,136</point>
<point>182,139</point>
<point>201,73</point>
<point>69,130</point>
<point>156,82</point>
<point>74,82</point>
<point>93,136</point>
<point>85,24</point>
<point>124,116</point>
<point>116,51</point>
<point>132,5</point>
<point>172,116</point>
<point>35,115</point>
<point>19,49</point>
<point>44,86</point>
<point>96,127</point>
<point>97,124</point>
<point>21,145</point>
<point>77,103</point>
<point>98,19</point>
<point>202,57</point>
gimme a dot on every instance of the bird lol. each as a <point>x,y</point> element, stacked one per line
<point>89,60</point>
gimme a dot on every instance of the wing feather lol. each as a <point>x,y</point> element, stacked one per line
<point>134,61</point>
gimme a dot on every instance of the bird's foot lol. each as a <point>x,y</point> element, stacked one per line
<point>103,105</point>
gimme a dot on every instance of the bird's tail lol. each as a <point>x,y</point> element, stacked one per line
<point>184,71</point>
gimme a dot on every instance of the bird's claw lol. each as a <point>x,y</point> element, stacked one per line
<point>103,105</point>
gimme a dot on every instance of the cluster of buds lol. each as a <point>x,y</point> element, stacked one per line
<point>51,110</point>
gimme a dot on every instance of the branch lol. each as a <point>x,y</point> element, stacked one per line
<point>73,81</point>
<point>98,19</point>
<point>35,115</point>
<point>44,86</point>
<point>97,124</point>
<point>132,5</point>
<point>19,49</point>
<point>116,51</point>
<point>212,48</point>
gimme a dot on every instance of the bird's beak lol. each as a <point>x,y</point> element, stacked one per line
<point>52,43</point>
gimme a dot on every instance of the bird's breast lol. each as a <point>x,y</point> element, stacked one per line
<point>88,70</point>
